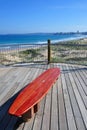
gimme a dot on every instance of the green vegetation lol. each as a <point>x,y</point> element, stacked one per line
<point>69,52</point>
<point>33,52</point>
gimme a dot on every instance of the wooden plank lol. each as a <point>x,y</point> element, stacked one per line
<point>8,86</point>
<point>26,76</point>
<point>79,100</point>
<point>83,81</point>
<point>9,124</point>
<point>38,118</point>
<point>54,109</point>
<point>12,89</point>
<point>19,125</point>
<point>77,114</point>
<point>5,77</point>
<point>3,80</point>
<point>80,85</point>
<point>46,116</point>
<point>4,108</point>
<point>3,71</point>
<point>4,121</point>
<point>9,94</point>
<point>23,78</point>
<point>27,125</point>
<point>9,79</point>
<point>69,112</point>
<point>62,113</point>
<point>33,73</point>
<point>85,73</point>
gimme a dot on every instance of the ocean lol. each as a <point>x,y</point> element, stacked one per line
<point>12,40</point>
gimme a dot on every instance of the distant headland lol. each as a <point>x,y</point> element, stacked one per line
<point>59,33</point>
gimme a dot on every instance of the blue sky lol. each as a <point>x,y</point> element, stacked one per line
<point>28,16</point>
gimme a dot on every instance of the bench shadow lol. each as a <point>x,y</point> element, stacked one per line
<point>7,121</point>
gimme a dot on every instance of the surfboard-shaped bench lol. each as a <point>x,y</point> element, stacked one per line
<point>26,103</point>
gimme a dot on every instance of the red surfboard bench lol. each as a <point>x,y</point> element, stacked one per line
<point>26,103</point>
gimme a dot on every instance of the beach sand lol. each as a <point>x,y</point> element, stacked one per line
<point>59,53</point>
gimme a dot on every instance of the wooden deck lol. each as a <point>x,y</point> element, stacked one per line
<point>63,108</point>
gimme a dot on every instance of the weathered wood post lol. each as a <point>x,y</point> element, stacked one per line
<point>49,51</point>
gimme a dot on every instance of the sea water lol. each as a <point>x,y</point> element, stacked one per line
<point>34,38</point>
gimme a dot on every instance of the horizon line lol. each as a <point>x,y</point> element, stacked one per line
<point>44,32</point>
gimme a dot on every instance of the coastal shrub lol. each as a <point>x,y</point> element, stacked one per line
<point>57,60</point>
<point>33,52</point>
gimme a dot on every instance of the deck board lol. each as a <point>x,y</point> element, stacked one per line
<point>75,108</point>
<point>80,86</point>
<point>62,112</point>
<point>69,112</point>
<point>79,100</point>
<point>63,108</point>
<point>54,108</point>
<point>46,116</point>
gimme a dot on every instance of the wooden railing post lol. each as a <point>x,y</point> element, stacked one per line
<point>49,52</point>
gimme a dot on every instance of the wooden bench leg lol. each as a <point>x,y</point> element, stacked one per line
<point>28,115</point>
<point>36,107</point>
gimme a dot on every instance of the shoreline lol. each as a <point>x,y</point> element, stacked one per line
<point>54,40</point>
<point>65,51</point>
<point>23,47</point>
<point>15,46</point>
